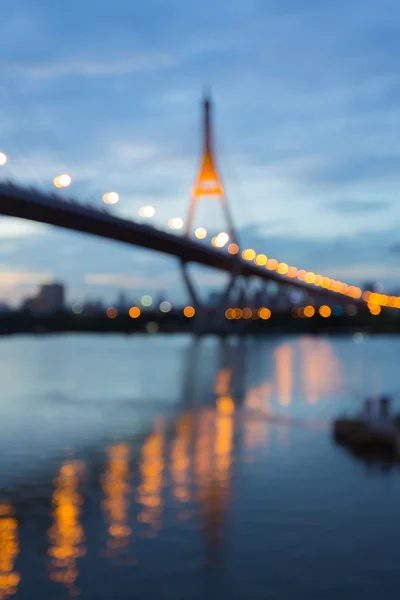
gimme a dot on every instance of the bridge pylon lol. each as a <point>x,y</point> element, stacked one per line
<point>209,183</point>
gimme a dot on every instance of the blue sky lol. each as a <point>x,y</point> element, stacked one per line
<point>306,124</point>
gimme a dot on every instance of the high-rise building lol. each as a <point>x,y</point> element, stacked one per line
<point>51,298</point>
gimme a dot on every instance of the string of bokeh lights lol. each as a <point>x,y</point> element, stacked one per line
<point>374,300</point>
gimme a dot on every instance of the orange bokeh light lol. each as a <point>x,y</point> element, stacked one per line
<point>325,311</point>
<point>264,313</point>
<point>189,312</point>
<point>134,312</point>
<point>248,254</point>
<point>309,311</point>
<point>230,314</point>
<point>272,264</point>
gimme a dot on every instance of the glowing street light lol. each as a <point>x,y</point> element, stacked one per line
<point>147,211</point>
<point>221,239</point>
<point>3,159</point>
<point>233,248</point>
<point>175,223</point>
<point>111,198</point>
<point>200,233</point>
<point>62,181</point>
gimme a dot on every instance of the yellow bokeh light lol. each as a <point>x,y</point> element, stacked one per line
<point>325,282</point>
<point>223,238</point>
<point>325,311</point>
<point>175,223</point>
<point>261,260</point>
<point>376,310</point>
<point>200,233</point>
<point>220,240</point>
<point>292,272</point>
<point>148,212</point>
<point>318,280</point>
<point>62,181</point>
<point>246,313</point>
<point>3,159</point>
<point>283,268</point>
<point>248,254</point>
<point>309,311</point>
<point>233,248</point>
<point>310,277</point>
<point>189,312</point>
<point>134,312</point>
<point>110,198</point>
<point>264,313</point>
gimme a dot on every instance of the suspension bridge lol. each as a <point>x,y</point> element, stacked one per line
<point>224,253</point>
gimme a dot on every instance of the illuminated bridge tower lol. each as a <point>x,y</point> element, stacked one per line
<point>208,184</point>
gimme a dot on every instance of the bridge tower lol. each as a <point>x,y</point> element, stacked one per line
<point>208,183</point>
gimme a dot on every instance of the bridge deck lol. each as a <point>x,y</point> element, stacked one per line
<point>31,204</point>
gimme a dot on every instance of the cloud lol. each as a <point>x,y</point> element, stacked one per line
<point>371,271</point>
<point>85,67</point>
<point>16,228</point>
<point>13,278</point>
<point>126,280</point>
<point>358,206</point>
<point>305,117</point>
<point>113,279</point>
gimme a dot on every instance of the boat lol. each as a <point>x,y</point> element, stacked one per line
<point>364,433</point>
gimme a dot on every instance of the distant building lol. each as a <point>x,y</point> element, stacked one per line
<point>49,300</point>
<point>51,297</point>
<point>93,307</point>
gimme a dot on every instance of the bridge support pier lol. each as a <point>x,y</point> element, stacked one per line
<point>205,319</point>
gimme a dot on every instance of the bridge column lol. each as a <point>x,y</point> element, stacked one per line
<point>203,320</point>
<point>208,184</point>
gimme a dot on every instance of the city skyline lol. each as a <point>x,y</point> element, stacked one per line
<point>307,148</point>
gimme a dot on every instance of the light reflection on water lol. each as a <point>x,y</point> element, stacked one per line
<point>117,490</point>
<point>232,472</point>
<point>9,549</point>
<point>66,535</point>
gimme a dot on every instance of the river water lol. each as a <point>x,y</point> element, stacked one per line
<point>164,467</point>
